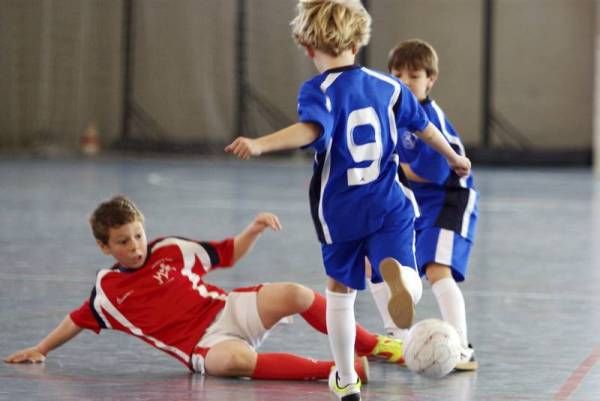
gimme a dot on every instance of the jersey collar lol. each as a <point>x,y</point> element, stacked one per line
<point>427,100</point>
<point>342,68</point>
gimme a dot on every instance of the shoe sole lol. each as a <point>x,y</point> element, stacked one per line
<point>466,366</point>
<point>400,306</point>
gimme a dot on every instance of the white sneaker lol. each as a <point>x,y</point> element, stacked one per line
<point>349,392</point>
<point>398,334</point>
<point>467,360</point>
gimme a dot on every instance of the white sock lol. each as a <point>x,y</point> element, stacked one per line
<point>381,296</point>
<point>341,327</point>
<point>452,306</point>
<point>412,282</point>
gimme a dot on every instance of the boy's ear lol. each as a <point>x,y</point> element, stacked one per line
<point>432,79</point>
<point>310,52</point>
<point>103,247</point>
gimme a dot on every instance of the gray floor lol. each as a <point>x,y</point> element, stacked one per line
<point>532,295</point>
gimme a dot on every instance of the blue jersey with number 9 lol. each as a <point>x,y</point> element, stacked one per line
<point>355,179</point>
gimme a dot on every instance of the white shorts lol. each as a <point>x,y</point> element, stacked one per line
<point>239,320</point>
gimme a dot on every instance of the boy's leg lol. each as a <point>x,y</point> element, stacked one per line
<point>445,255</point>
<point>449,298</point>
<point>341,326</point>
<point>401,305</point>
<point>278,300</point>
<point>284,366</point>
<point>235,358</point>
<point>391,253</point>
<point>345,268</point>
<point>452,307</point>
<point>381,296</point>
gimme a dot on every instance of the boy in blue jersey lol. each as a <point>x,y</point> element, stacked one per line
<point>350,115</point>
<point>447,201</point>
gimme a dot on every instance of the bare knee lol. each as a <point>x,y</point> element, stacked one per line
<point>298,296</point>
<point>436,272</point>
<point>236,361</point>
<point>236,365</point>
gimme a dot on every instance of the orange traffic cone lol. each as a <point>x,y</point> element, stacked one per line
<point>90,141</point>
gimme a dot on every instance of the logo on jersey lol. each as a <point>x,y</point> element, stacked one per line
<point>163,273</point>
<point>409,140</point>
<point>122,299</point>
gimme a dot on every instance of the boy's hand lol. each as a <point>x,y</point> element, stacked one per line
<point>244,241</point>
<point>243,147</point>
<point>461,165</point>
<point>265,220</point>
<point>27,355</point>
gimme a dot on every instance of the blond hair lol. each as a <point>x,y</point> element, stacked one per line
<point>331,26</point>
<point>112,214</point>
<point>414,54</point>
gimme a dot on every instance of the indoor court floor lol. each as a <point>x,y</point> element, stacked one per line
<point>532,295</point>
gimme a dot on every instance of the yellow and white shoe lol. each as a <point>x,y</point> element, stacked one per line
<point>349,392</point>
<point>390,349</point>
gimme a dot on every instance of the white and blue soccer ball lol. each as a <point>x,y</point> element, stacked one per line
<point>432,348</point>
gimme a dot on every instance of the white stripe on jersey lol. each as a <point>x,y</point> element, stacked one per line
<point>406,190</point>
<point>326,84</point>
<point>189,251</point>
<point>101,297</point>
<point>330,79</point>
<point>393,100</point>
<point>444,247</point>
<point>466,220</point>
<point>102,302</point>
<point>454,140</point>
<point>394,131</point>
<point>324,178</point>
<point>451,138</point>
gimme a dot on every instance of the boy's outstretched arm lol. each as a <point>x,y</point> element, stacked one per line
<point>434,138</point>
<point>292,137</point>
<point>244,241</point>
<point>64,332</point>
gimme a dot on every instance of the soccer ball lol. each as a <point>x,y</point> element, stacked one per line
<point>432,348</point>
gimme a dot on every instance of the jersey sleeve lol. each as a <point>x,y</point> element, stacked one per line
<point>450,128</point>
<point>84,318</point>
<point>409,113</point>
<point>220,252</point>
<point>315,107</point>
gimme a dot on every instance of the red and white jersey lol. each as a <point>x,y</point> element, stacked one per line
<point>164,302</point>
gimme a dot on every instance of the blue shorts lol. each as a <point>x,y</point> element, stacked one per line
<point>345,261</point>
<point>439,245</point>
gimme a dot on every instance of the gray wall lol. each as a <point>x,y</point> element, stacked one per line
<point>61,66</point>
<point>454,28</point>
<point>184,66</point>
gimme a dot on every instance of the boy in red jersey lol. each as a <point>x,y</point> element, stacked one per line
<point>155,292</point>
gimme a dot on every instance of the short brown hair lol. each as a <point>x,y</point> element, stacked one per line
<point>414,54</point>
<point>113,213</point>
<point>331,26</point>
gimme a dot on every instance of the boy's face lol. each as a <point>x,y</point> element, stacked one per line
<point>127,244</point>
<point>417,80</point>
